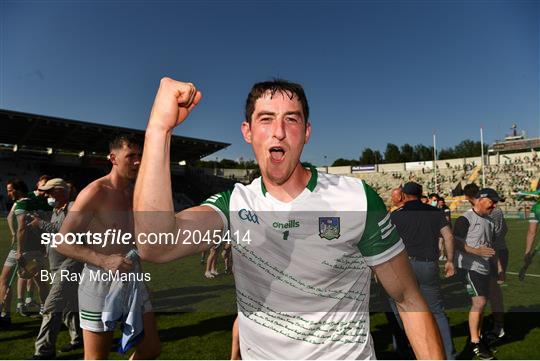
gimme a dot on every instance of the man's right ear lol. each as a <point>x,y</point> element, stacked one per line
<point>112,158</point>
<point>246,131</point>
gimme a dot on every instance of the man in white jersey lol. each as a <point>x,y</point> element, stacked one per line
<point>303,241</point>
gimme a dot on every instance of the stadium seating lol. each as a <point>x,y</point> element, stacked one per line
<point>507,178</point>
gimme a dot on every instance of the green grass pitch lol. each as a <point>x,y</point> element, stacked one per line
<point>195,315</point>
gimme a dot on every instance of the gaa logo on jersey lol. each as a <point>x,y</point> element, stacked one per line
<point>329,227</point>
<point>246,215</point>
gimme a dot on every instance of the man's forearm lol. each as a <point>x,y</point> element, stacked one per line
<point>399,282</point>
<point>421,329</point>
<point>153,187</point>
<point>152,203</point>
<point>80,253</point>
<point>449,248</point>
<point>448,242</point>
<point>21,233</point>
<point>10,221</point>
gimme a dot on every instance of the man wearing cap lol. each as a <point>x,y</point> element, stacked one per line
<point>62,301</point>
<point>420,226</point>
<point>500,259</point>
<point>474,233</point>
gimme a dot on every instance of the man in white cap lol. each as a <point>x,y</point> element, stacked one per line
<point>474,232</point>
<point>62,302</point>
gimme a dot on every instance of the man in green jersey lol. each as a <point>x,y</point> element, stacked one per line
<point>26,248</point>
<point>530,252</point>
<point>25,287</point>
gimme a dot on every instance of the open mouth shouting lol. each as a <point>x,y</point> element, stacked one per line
<point>277,154</point>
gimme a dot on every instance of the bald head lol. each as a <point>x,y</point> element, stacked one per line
<point>397,197</point>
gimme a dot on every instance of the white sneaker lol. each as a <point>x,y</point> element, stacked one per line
<point>208,275</point>
<point>21,310</point>
<point>214,272</point>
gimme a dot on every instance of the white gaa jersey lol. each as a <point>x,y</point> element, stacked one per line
<point>302,268</point>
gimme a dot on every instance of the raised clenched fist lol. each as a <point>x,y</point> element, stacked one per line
<point>173,103</point>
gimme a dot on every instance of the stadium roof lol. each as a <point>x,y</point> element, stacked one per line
<point>515,145</point>
<point>32,131</point>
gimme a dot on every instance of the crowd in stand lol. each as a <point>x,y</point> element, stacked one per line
<point>508,177</point>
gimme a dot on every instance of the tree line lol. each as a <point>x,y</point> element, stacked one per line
<point>227,164</point>
<point>392,154</point>
<point>409,153</point>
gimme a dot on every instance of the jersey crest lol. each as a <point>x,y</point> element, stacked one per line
<point>329,227</point>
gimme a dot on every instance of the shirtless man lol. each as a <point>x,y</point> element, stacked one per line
<point>106,204</point>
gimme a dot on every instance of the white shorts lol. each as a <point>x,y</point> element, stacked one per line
<point>92,294</point>
<point>11,261</point>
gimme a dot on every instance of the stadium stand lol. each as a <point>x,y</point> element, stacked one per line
<point>513,173</point>
<point>37,144</point>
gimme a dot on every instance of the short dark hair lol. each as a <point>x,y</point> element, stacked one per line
<point>434,195</point>
<point>122,139</point>
<point>471,190</point>
<point>276,86</point>
<point>18,185</point>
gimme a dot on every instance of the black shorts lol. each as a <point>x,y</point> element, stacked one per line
<point>477,284</point>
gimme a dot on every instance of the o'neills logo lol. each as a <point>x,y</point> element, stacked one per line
<point>291,224</point>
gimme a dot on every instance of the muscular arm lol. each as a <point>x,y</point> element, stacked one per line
<point>397,278</point>
<point>152,202</point>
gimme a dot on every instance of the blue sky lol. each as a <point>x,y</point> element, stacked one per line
<point>374,71</point>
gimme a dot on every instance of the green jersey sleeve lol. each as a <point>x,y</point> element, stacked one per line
<point>535,210</point>
<point>380,240</point>
<point>22,206</point>
<point>221,202</point>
